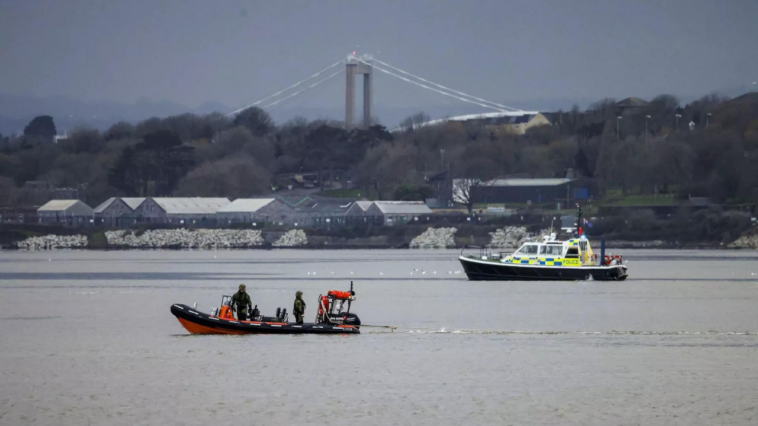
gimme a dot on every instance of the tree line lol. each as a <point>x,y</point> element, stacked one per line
<point>648,149</point>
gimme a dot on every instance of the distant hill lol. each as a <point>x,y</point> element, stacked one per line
<point>737,113</point>
<point>68,113</point>
<point>748,100</point>
<point>17,111</point>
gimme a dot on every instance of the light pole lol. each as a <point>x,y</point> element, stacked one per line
<point>647,117</point>
<point>618,118</point>
<point>678,116</point>
<point>707,120</point>
<point>442,160</point>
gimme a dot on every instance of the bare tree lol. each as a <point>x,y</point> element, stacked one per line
<point>234,177</point>
<point>414,122</point>
<point>464,191</point>
<point>474,169</point>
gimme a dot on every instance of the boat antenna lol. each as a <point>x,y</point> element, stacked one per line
<point>579,219</point>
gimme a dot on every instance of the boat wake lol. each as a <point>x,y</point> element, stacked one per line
<point>444,330</point>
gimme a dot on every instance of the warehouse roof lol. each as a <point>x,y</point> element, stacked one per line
<point>364,205</point>
<point>527,182</point>
<point>58,205</point>
<point>69,206</point>
<point>246,205</point>
<point>318,204</point>
<point>402,207</point>
<point>632,102</point>
<point>134,202</point>
<point>105,204</point>
<point>191,205</point>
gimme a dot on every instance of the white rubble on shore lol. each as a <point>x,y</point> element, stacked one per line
<point>184,238</point>
<point>746,242</point>
<point>292,238</point>
<point>48,242</point>
<point>510,237</point>
<point>435,238</point>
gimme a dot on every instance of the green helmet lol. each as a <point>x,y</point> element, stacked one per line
<point>242,287</point>
<point>299,294</point>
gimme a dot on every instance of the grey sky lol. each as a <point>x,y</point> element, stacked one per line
<point>235,52</point>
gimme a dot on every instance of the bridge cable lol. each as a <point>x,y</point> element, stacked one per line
<point>444,87</point>
<point>298,100</point>
<point>287,89</point>
<point>303,90</point>
<point>433,89</point>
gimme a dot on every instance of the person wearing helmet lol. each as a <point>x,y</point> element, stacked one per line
<point>241,302</point>
<point>299,309</point>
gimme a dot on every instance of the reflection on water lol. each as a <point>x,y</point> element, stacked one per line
<point>87,337</point>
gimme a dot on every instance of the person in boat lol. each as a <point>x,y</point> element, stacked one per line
<point>299,308</point>
<point>241,302</point>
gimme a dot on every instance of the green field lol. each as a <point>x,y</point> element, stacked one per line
<point>346,193</point>
<point>615,198</point>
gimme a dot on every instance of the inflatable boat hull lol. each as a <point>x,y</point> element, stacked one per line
<point>201,323</point>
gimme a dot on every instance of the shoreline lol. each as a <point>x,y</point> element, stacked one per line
<point>635,245</point>
<point>496,238</point>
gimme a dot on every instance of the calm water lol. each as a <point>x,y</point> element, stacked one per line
<point>87,338</point>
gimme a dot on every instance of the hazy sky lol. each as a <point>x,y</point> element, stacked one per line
<point>234,52</point>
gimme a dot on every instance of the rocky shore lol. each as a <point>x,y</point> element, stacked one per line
<point>183,238</point>
<point>510,237</point>
<point>49,242</point>
<point>292,238</point>
<point>435,238</point>
<point>749,241</point>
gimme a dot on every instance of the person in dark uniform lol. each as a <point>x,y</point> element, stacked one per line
<point>299,308</point>
<point>241,302</point>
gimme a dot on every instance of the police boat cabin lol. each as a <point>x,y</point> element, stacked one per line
<point>574,252</point>
<point>547,260</point>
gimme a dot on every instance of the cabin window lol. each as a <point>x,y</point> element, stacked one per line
<point>572,252</point>
<point>555,250</point>
<point>529,249</point>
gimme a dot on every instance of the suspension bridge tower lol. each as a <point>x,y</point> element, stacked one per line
<point>356,66</point>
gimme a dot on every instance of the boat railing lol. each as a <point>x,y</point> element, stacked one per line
<point>484,253</point>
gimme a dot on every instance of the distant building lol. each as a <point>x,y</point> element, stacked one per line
<point>501,191</point>
<point>443,190</point>
<point>256,210</point>
<point>107,213</point>
<point>359,208</point>
<point>62,137</point>
<point>68,212</point>
<point>181,211</point>
<point>324,211</point>
<point>314,210</point>
<point>19,214</point>
<point>358,214</point>
<point>398,212</point>
<point>517,125</point>
<point>630,105</point>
